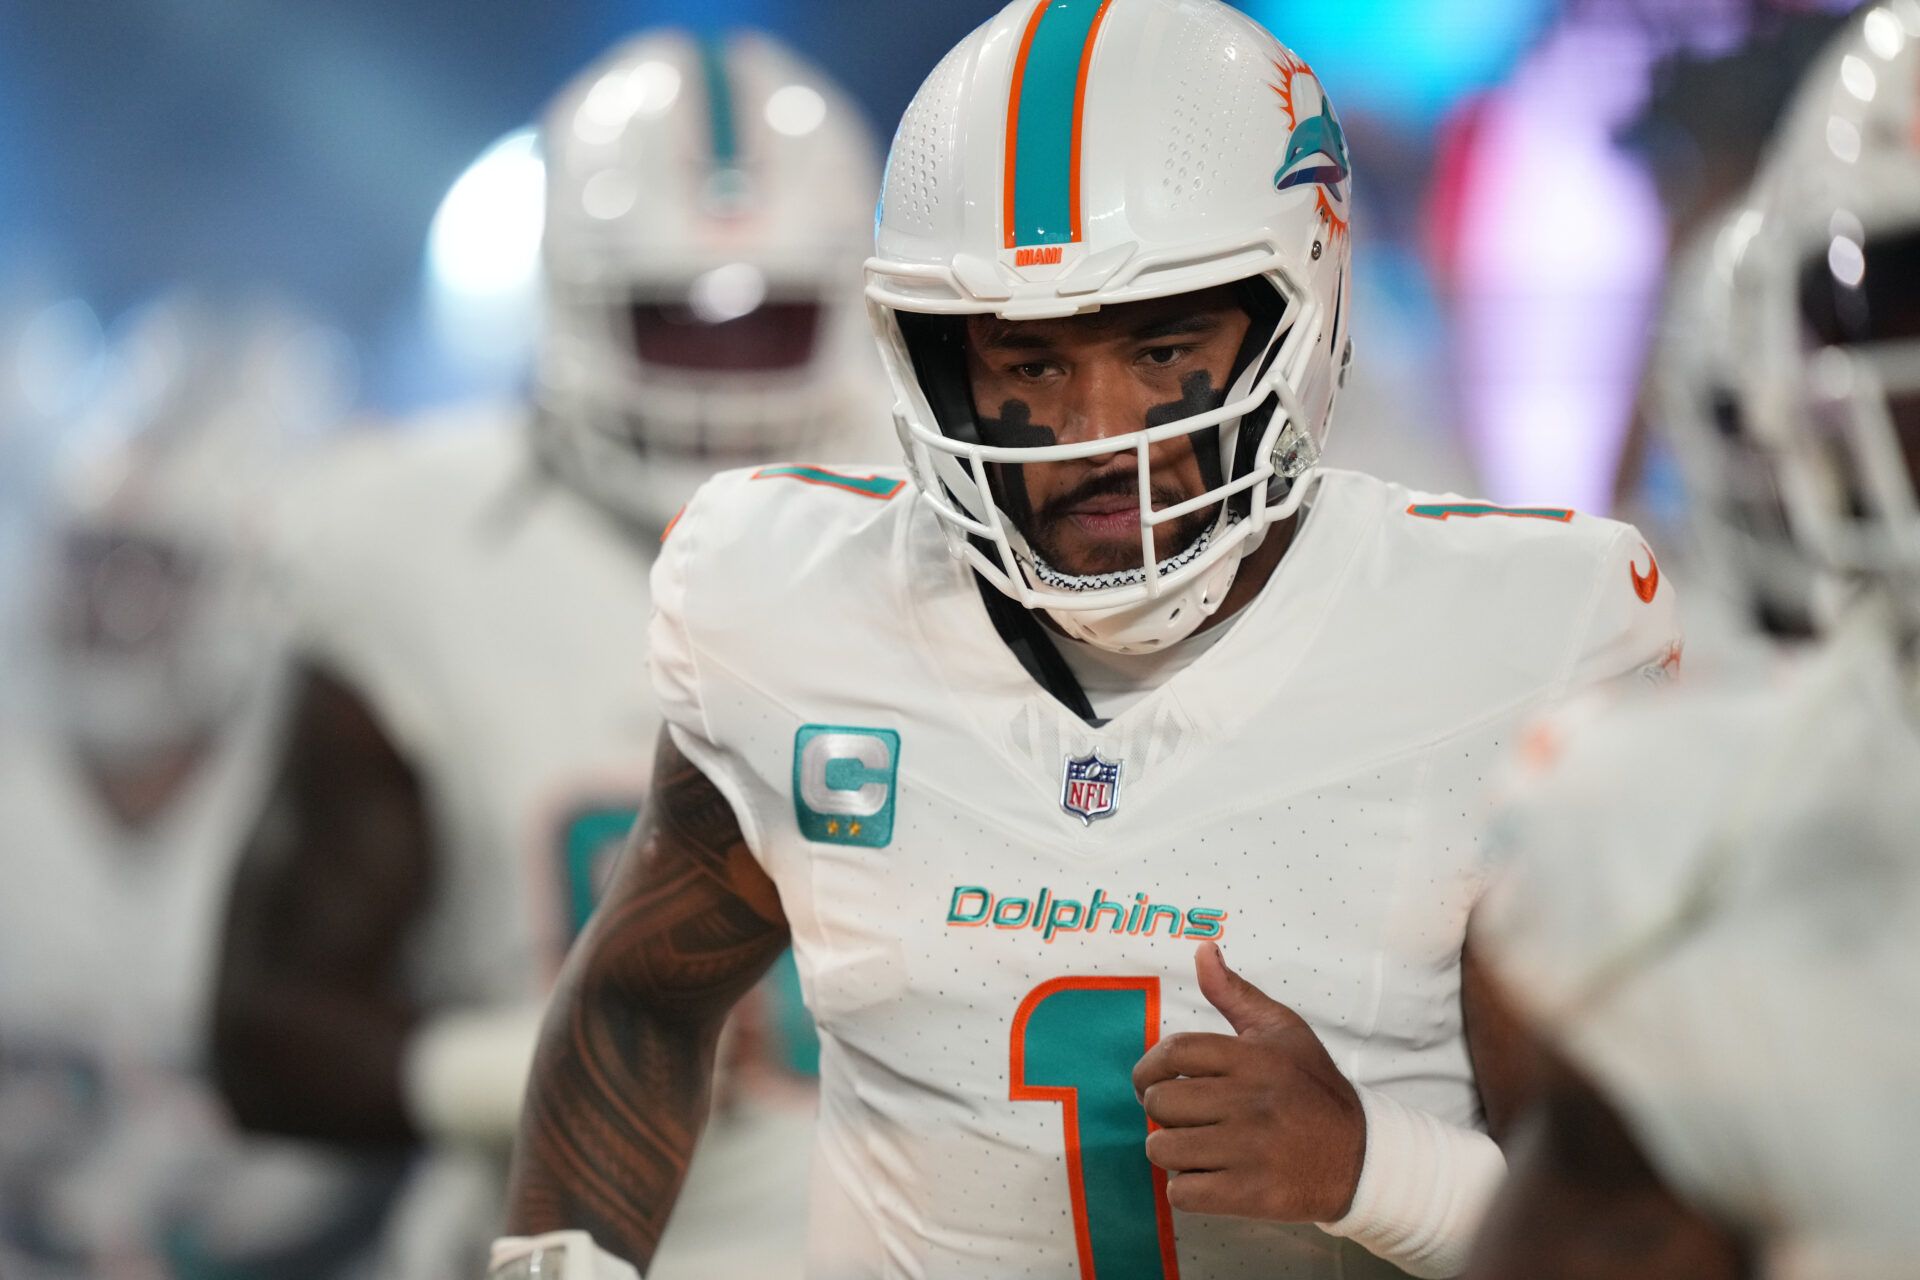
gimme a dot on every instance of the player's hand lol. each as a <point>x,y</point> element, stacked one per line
<point>1258,1124</point>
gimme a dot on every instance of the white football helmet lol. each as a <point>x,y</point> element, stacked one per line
<point>1733,478</point>
<point>1072,154</point>
<point>157,620</point>
<point>708,206</point>
<point>1829,288</point>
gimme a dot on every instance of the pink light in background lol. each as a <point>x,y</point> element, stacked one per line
<point>1552,243</point>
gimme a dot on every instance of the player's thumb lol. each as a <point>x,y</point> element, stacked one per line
<point>1250,1010</point>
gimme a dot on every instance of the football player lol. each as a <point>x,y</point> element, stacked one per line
<point>1711,926</point>
<point>1010,744</point>
<point>126,788</point>
<point>474,725</point>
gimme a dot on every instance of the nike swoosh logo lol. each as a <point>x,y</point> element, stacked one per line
<point>1647,586</point>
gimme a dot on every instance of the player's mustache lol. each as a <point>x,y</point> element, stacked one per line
<point>1124,482</point>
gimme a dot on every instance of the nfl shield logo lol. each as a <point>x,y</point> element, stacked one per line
<point>1091,788</point>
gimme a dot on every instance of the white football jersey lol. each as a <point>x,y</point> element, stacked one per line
<point>496,622</point>
<point>995,906</point>
<point>117,1158</point>
<point>1712,901</point>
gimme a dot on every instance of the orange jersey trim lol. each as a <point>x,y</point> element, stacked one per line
<point>1647,586</point>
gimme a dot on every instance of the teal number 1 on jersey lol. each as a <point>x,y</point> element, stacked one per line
<point>1075,1041</point>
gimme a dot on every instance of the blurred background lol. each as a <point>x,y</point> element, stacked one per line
<point>364,160</point>
<point>254,214</point>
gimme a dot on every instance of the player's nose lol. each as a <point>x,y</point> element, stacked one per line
<point>1101,403</point>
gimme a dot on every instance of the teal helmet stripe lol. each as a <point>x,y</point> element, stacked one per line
<point>725,138</point>
<point>1044,125</point>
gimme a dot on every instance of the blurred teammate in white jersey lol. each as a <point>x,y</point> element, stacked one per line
<point>1112,671</point>
<point>1712,919</point>
<point>474,729</point>
<point>127,783</point>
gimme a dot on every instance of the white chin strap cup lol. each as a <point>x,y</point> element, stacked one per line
<point>557,1255</point>
<point>1151,625</point>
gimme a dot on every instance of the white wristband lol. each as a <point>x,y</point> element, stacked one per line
<point>557,1255</point>
<point>465,1074</point>
<point>1424,1187</point>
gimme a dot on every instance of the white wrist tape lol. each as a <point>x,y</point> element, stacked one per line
<point>465,1074</point>
<point>1424,1187</point>
<point>557,1255</point>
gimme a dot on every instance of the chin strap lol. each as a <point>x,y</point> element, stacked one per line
<point>1027,636</point>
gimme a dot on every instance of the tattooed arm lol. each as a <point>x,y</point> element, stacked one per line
<point>620,1086</point>
<point>312,1016</point>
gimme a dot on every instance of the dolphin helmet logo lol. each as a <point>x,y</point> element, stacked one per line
<point>1316,153</point>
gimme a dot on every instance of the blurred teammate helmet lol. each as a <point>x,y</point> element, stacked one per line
<point>1076,154</point>
<point>1733,479</point>
<point>1830,370</point>
<point>708,206</point>
<point>157,620</point>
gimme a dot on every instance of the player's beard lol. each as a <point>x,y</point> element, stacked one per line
<point>1049,533</point>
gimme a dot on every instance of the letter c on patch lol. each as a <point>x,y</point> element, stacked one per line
<point>846,773</point>
<point>843,784</point>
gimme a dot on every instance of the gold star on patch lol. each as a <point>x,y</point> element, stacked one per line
<point>833,828</point>
<point>853,828</point>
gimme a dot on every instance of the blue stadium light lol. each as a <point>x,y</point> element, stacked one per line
<point>483,262</point>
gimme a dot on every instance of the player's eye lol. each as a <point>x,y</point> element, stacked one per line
<point>1032,370</point>
<point>1164,357</point>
